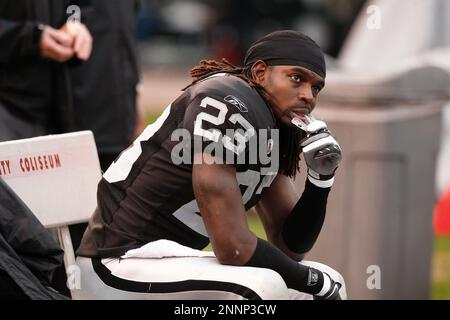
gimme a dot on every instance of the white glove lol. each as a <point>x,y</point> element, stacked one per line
<point>321,151</point>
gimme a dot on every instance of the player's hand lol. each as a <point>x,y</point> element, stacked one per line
<point>321,151</point>
<point>56,44</point>
<point>82,39</point>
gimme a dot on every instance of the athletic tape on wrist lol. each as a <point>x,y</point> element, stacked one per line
<point>321,183</point>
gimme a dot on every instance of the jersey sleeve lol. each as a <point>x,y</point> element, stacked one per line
<point>218,127</point>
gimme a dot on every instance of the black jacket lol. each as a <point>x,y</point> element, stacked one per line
<point>104,87</point>
<point>32,88</point>
<point>28,252</point>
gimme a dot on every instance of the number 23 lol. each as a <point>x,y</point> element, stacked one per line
<point>215,134</point>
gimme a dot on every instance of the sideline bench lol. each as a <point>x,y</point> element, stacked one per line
<point>57,177</point>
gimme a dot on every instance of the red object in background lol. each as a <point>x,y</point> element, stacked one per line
<point>441,216</point>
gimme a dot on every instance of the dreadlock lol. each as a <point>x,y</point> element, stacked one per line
<point>210,67</point>
<point>289,138</point>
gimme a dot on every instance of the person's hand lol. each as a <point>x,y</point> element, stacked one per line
<point>82,39</point>
<point>321,151</point>
<point>56,44</point>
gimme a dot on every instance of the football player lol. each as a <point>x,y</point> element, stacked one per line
<point>231,141</point>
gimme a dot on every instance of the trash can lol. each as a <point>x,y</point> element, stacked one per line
<point>378,228</point>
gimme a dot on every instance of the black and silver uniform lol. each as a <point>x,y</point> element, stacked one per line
<point>147,194</point>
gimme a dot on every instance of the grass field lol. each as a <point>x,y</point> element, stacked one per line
<point>440,264</point>
<point>441,269</point>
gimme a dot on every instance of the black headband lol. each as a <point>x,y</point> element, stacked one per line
<point>287,47</point>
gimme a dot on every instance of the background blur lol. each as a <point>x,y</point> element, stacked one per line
<point>386,100</point>
<point>174,35</point>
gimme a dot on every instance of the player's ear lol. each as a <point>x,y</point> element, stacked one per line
<point>259,71</point>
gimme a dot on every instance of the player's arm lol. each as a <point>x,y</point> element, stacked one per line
<point>292,223</point>
<point>220,202</point>
<point>219,199</point>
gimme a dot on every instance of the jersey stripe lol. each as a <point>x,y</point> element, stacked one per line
<point>168,287</point>
<point>187,214</point>
<point>121,168</point>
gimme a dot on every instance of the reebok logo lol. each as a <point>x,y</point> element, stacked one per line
<point>313,277</point>
<point>236,102</point>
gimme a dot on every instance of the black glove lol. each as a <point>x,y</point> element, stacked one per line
<point>321,151</point>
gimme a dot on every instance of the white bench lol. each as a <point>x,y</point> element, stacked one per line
<point>57,177</point>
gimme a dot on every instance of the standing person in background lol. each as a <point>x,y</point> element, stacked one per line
<point>104,88</point>
<point>37,46</point>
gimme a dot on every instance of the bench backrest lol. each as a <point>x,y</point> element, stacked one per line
<point>56,175</point>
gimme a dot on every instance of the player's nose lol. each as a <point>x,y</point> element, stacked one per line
<point>305,94</point>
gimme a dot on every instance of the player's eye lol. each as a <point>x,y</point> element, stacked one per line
<point>296,78</point>
<point>316,90</point>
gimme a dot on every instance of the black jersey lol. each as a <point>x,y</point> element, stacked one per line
<point>147,193</point>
